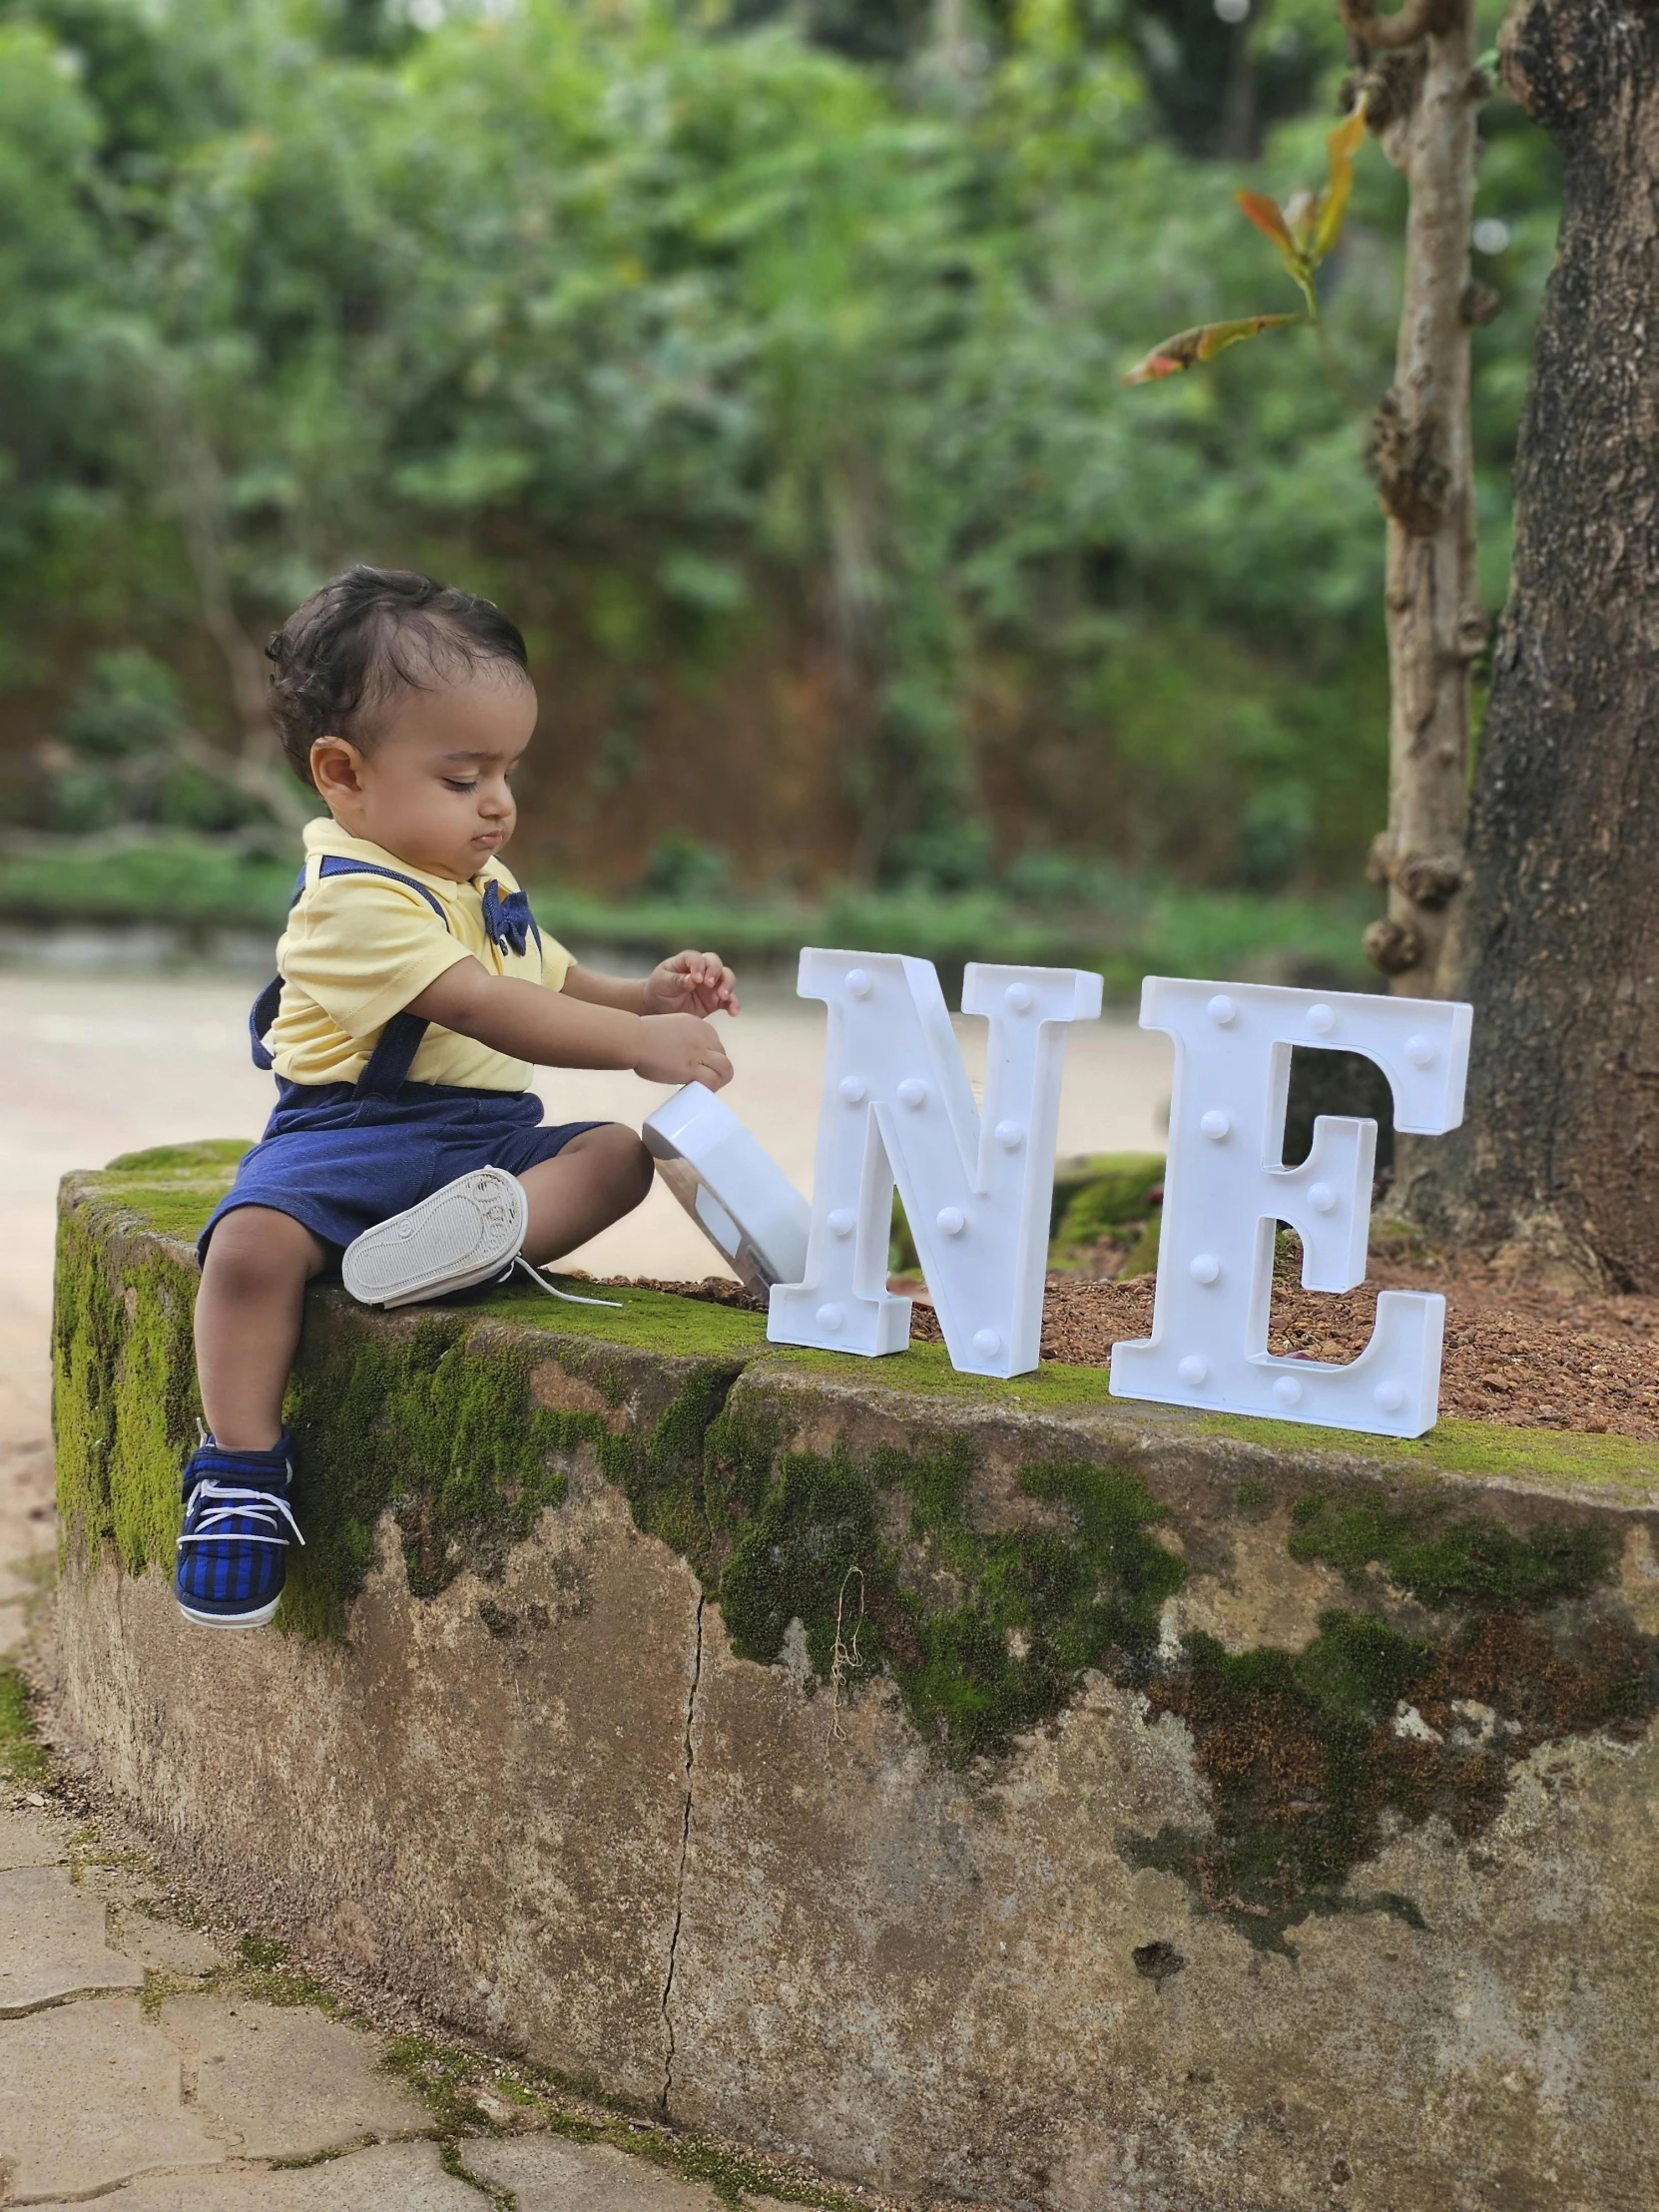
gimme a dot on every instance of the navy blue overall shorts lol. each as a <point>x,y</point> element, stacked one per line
<point>341,1157</point>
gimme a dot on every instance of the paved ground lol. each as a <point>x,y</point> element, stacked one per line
<point>143,2054</point>
<point>147,2059</point>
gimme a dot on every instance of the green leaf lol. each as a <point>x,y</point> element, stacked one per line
<point>1341,147</point>
<point>1201,343</point>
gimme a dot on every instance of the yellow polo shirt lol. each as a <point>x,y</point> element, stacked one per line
<point>359,947</point>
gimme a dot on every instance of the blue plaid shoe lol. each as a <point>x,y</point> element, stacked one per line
<point>232,1548</point>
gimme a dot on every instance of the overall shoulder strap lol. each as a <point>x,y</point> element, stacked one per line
<point>264,1009</point>
<point>339,863</point>
<point>389,1065</point>
<point>261,1020</point>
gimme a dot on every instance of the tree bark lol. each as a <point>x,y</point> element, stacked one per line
<point>1421,102</point>
<point>1558,1158</point>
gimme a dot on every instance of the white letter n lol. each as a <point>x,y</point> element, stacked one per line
<point>976,1186</point>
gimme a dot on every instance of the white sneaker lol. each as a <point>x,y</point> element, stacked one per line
<point>470,1232</point>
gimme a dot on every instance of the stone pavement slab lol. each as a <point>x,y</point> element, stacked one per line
<point>29,1837</point>
<point>90,2095</point>
<point>283,2081</point>
<point>163,1946</point>
<point>548,2174</point>
<point>394,2177</point>
<point>52,1943</point>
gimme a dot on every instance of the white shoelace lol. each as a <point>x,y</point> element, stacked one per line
<point>569,1296</point>
<point>254,1504</point>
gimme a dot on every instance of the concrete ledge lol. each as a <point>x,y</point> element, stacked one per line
<point>990,1790</point>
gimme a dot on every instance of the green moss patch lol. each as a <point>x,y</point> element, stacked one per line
<point>1447,1557</point>
<point>124,1400</point>
<point>1311,1755</point>
<point>21,1756</point>
<point>414,1417</point>
<point>925,1370</point>
<point>638,1319</point>
<point>202,1162</point>
<point>985,1634</point>
<point>435,1418</point>
<point>172,1189</point>
<point>453,2081</point>
<point>1567,1457</point>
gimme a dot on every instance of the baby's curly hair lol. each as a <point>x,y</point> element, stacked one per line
<point>369,633</point>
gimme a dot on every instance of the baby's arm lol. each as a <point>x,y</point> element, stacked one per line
<point>580,1028</point>
<point>691,982</point>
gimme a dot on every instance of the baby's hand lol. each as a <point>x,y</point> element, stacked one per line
<point>678,1048</point>
<point>693,984</point>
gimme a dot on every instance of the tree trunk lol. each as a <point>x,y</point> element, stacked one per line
<point>1559,1153</point>
<point>258,766</point>
<point>950,39</point>
<point>1422,103</point>
<point>1241,134</point>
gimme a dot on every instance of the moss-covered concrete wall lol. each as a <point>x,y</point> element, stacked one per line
<point>991,1789</point>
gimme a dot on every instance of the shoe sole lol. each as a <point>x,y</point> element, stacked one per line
<point>230,1620</point>
<point>464,1234</point>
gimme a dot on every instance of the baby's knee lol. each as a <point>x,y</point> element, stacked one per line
<point>616,1161</point>
<point>628,1164</point>
<point>256,1253</point>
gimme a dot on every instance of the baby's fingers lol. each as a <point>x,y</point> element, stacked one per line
<point>718,984</point>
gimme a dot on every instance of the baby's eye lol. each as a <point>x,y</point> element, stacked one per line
<point>454,784</point>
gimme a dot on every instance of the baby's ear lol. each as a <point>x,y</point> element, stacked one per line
<point>336,767</point>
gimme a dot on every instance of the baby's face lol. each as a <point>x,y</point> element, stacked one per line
<point>436,789</point>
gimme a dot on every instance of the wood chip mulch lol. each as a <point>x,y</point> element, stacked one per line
<point>1524,1354</point>
<point>1527,1354</point>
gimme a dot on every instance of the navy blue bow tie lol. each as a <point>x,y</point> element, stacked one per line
<point>507,919</point>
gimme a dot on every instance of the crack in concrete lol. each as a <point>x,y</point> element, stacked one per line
<point>234,2164</point>
<point>685,1851</point>
<point>62,1998</point>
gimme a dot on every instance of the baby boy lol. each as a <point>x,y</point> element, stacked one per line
<point>414,997</point>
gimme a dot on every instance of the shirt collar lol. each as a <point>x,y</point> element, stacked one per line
<point>323,836</point>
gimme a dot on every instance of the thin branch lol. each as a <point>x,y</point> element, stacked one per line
<point>1413,22</point>
<point>844,1657</point>
<point>262,777</point>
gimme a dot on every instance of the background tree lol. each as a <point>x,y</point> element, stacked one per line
<point>1559,1153</point>
<point>1416,88</point>
<point>1417,80</point>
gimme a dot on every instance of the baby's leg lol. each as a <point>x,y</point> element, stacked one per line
<point>247,1314</point>
<point>598,1177</point>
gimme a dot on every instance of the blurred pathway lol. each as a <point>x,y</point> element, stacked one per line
<point>90,1069</point>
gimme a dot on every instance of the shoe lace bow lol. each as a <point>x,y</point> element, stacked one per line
<point>236,1502</point>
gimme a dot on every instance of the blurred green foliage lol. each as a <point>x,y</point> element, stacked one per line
<point>125,755</point>
<point>707,317</point>
<point>1145,924</point>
